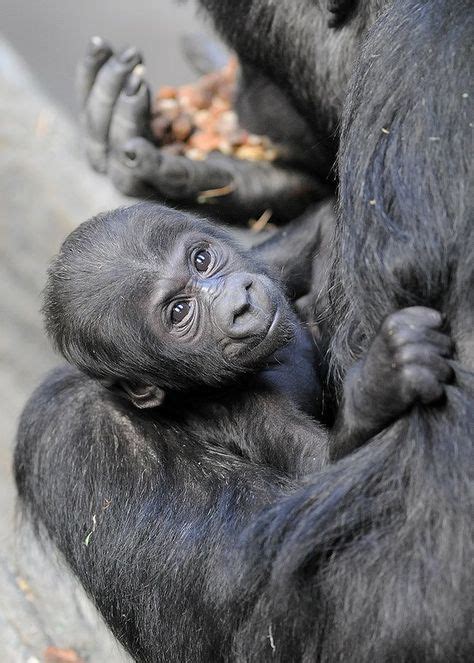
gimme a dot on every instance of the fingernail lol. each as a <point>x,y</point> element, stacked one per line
<point>96,45</point>
<point>135,80</point>
<point>128,54</point>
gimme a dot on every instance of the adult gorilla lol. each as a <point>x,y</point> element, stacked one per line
<point>369,562</point>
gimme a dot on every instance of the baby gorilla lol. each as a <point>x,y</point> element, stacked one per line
<point>165,310</point>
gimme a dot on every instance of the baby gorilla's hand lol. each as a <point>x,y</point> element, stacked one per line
<point>406,363</point>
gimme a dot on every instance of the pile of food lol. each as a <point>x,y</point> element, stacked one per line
<point>194,120</point>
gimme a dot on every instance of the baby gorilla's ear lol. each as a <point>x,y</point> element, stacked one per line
<point>141,395</point>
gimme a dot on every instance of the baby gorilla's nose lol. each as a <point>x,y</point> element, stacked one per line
<point>242,309</point>
<point>241,303</point>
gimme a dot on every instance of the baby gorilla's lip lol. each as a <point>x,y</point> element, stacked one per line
<point>265,345</point>
<point>259,346</point>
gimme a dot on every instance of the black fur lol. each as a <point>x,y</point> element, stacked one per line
<point>207,465</point>
<point>405,236</point>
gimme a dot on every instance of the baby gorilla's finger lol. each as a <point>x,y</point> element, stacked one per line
<point>427,355</point>
<point>98,52</point>
<point>411,334</point>
<point>421,384</point>
<point>398,325</point>
<point>420,315</point>
<point>131,115</point>
<point>100,104</point>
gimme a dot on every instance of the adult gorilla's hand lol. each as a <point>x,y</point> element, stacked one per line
<point>115,107</point>
<point>116,123</point>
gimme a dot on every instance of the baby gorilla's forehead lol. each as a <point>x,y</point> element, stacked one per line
<point>162,229</point>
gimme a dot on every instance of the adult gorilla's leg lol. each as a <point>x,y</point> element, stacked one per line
<point>147,518</point>
<point>190,551</point>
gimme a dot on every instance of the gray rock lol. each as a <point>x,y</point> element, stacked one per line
<point>46,189</point>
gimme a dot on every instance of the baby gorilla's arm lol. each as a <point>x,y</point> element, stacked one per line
<point>406,364</point>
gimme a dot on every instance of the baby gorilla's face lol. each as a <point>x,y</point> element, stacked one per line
<point>211,301</point>
<point>158,297</point>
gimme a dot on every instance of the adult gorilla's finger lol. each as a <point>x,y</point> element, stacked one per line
<point>178,177</point>
<point>100,104</point>
<point>98,52</point>
<point>131,115</point>
<point>129,167</point>
<point>126,180</point>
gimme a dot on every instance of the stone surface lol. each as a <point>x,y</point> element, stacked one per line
<point>51,36</point>
<point>46,189</point>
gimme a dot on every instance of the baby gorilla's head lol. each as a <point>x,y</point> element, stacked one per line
<point>152,296</point>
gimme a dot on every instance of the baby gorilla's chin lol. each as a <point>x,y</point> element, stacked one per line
<point>281,331</point>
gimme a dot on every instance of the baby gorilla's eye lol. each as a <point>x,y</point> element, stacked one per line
<point>202,260</point>
<point>179,311</point>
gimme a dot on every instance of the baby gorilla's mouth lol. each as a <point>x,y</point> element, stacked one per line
<point>256,334</point>
<point>273,331</point>
<point>268,335</point>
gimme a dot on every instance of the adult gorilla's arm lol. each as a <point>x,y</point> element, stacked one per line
<point>293,44</point>
<point>405,235</point>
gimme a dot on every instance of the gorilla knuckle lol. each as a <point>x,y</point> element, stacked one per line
<point>411,375</point>
<point>391,325</point>
<point>405,355</point>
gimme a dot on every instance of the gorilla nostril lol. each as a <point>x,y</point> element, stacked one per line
<point>243,308</point>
